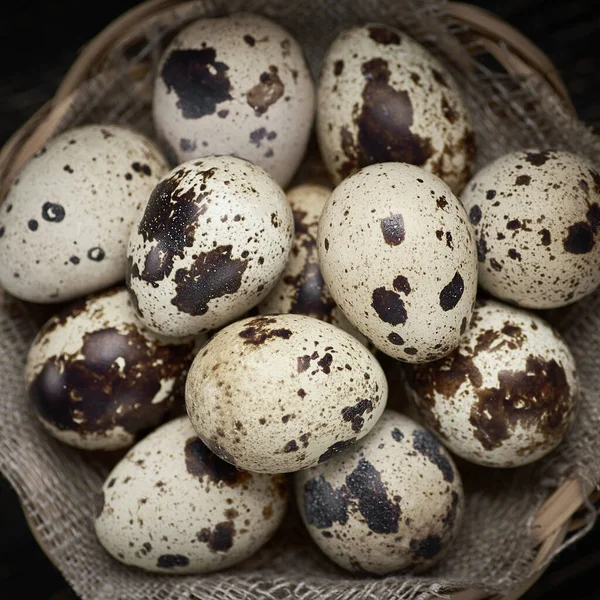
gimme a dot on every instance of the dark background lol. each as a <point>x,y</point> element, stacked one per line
<point>38,42</point>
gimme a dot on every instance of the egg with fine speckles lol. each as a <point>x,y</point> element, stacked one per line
<point>211,242</point>
<point>536,215</point>
<point>301,289</point>
<point>235,85</point>
<point>280,393</point>
<point>506,396</point>
<point>98,378</point>
<point>383,97</point>
<point>393,502</point>
<point>398,255</point>
<point>65,222</point>
<point>171,506</point>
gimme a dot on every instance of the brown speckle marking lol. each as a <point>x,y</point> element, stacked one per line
<point>266,92</point>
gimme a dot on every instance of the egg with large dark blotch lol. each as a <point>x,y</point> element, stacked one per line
<point>506,396</point>
<point>194,513</point>
<point>383,97</point>
<point>394,501</point>
<point>98,378</point>
<point>235,85</point>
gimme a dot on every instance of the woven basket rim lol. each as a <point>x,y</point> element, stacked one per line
<point>556,518</point>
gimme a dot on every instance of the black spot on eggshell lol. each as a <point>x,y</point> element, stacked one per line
<point>383,123</point>
<point>427,548</point>
<point>2,231</point>
<point>325,363</point>
<point>336,449</point>
<point>96,254</point>
<point>397,434</point>
<point>523,180</point>
<point>90,392</point>
<point>475,215</point>
<point>249,40</point>
<point>260,134</point>
<point>338,67</point>
<point>52,212</point>
<point>426,444</point>
<point>364,484</point>
<point>383,35</point>
<point>198,79</point>
<point>392,228</point>
<point>32,224</point>
<point>580,238</point>
<point>257,331</point>
<point>495,265</point>
<point>546,238</point>
<point>452,293</point>
<point>169,561</point>
<point>323,505</point>
<point>538,158</point>
<point>410,351</point>
<point>537,397</point>
<point>395,339</point>
<point>212,275</point>
<point>204,464</point>
<point>220,539</point>
<point>389,306</point>
<point>490,194</point>
<point>401,284</point>
<point>354,414</point>
<point>187,145</point>
<point>265,93</point>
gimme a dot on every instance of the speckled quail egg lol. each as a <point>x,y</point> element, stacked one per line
<point>171,506</point>
<point>394,501</point>
<point>536,215</point>
<point>383,97</point>
<point>301,289</point>
<point>65,222</point>
<point>97,377</point>
<point>211,242</point>
<point>398,255</point>
<point>236,85</point>
<point>276,394</point>
<point>506,396</point>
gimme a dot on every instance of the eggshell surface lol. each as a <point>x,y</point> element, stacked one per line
<point>276,394</point>
<point>211,242</point>
<point>383,97</point>
<point>65,222</point>
<point>236,85</point>
<point>536,215</point>
<point>398,255</point>
<point>394,501</point>
<point>506,396</point>
<point>97,377</point>
<point>171,506</point>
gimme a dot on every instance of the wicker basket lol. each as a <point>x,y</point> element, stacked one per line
<point>559,514</point>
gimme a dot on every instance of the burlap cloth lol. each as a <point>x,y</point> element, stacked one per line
<point>495,550</point>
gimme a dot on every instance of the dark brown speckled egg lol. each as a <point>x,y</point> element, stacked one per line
<point>210,244</point>
<point>98,378</point>
<point>506,396</point>
<point>280,393</point>
<point>236,85</point>
<point>171,506</point>
<point>383,97</point>
<point>393,502</point>
<point>536,215</point>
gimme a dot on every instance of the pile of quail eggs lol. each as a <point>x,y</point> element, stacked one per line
<point>240,350</point>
